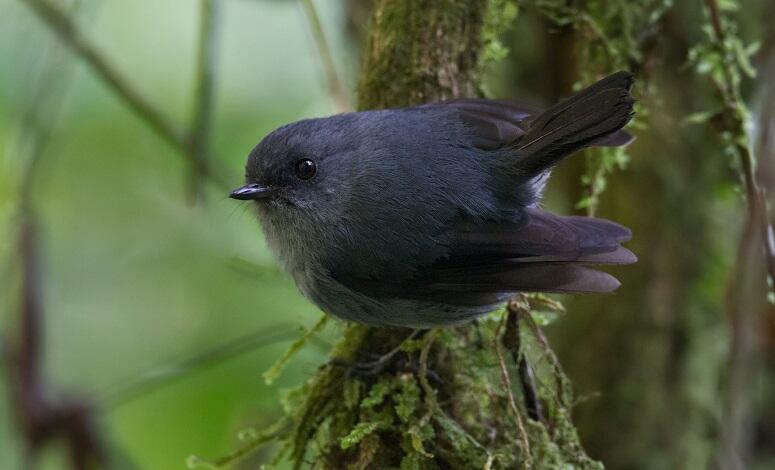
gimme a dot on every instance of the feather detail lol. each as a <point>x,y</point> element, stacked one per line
<point>592,116</point>
<point>539,252</point>
<point>496,124</point>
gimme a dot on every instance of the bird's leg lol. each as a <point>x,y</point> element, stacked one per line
<point>376,366</point>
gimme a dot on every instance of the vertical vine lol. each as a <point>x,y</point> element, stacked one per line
<point>616,35</point>
<point>723,58</point>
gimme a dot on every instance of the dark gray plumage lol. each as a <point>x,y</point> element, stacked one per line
<point>428,215</point>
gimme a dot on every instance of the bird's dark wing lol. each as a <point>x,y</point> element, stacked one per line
<point>499,123</point>
<point>541,252</point>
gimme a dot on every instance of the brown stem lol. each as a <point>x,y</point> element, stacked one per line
<point>506,380</point>
<point>69,33</point>
<point>512,340</point>
<point>733,121</point>
<point>335,87</point>
<point>200,134</point>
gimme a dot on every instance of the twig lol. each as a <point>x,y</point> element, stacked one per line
<point>274,371</point>
<point>512,402</point>
<point>201,132</point>
<point>526,376</point>
<point>41,416</point>
<point>125,393</point>
<point>746,291</point>
<point>434,411</point>
<point>36,127</point>
<point>335,88</point>
<point>734,122</point>
<point>255,441</point>
<point>563,393</point>
<point>430,393</point>
<point>68,32</point>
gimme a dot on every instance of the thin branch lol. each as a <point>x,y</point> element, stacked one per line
<point>735,122</point>
<point>201,132</point>
<point>255,440</point>
<point>746,291</point>
<point>335,88</point>
<point>69,33</point>
<point>160,377</point>
<point>36,127</point>
<point>513,342</point>
<point>510,394</point>
<point>41,414</point>
<point>563,393</point>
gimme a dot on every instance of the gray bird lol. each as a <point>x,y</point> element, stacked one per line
<point>429,215</point>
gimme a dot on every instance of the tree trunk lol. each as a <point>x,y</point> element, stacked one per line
<point>446,400</point>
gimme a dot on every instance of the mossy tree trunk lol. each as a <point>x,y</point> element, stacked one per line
<point>655,359</point>
<point>478,396</point>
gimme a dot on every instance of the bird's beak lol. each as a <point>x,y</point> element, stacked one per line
<point>252,191</point>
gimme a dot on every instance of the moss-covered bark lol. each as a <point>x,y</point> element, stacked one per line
<point>420,51</point>
<point>458,398</point>
<point>653,357</point>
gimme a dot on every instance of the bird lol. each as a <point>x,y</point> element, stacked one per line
<point>430,216</point>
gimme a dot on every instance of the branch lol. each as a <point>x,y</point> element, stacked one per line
<point>516,308</point>
<point>335,88</point>
<point>41,415</point>
<point>200,134</point>
<point>68,32</point>
<point>525,444</point>
<point>734,121</point>
<point>160,377</point>
<point>746,291</point>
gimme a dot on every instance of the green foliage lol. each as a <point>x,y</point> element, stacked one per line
<point>449,400</point>
<point>274,372</point>
<point>616,35</point>
<point>725,59</point>
<point>438,406</point>
<point>499,17</point>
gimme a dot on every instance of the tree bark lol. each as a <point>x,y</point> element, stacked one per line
<point>422,51</point>
<point>446,400</point>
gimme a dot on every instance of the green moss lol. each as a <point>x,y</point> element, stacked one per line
<point>361,430</point>
<point>442,403</point>
<point>426,50</point>
<point>616,35</point>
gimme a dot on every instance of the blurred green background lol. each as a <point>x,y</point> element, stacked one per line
<point>137,278</point>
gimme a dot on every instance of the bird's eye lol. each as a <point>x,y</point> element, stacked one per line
<point>305,169</point>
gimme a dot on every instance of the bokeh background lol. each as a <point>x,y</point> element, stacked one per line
<point>139,278</point>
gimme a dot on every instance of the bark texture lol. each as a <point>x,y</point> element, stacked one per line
<point>488,395</point>
<point>421,51</point>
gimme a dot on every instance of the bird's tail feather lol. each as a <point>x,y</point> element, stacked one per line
<point>592,116</point>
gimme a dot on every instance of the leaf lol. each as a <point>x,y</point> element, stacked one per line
<point>408,399</point>
<point>743,55</point>
<point>274,372</point>
<point>360,431</point>
<point>700,117</point>
<point>377,393</point>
